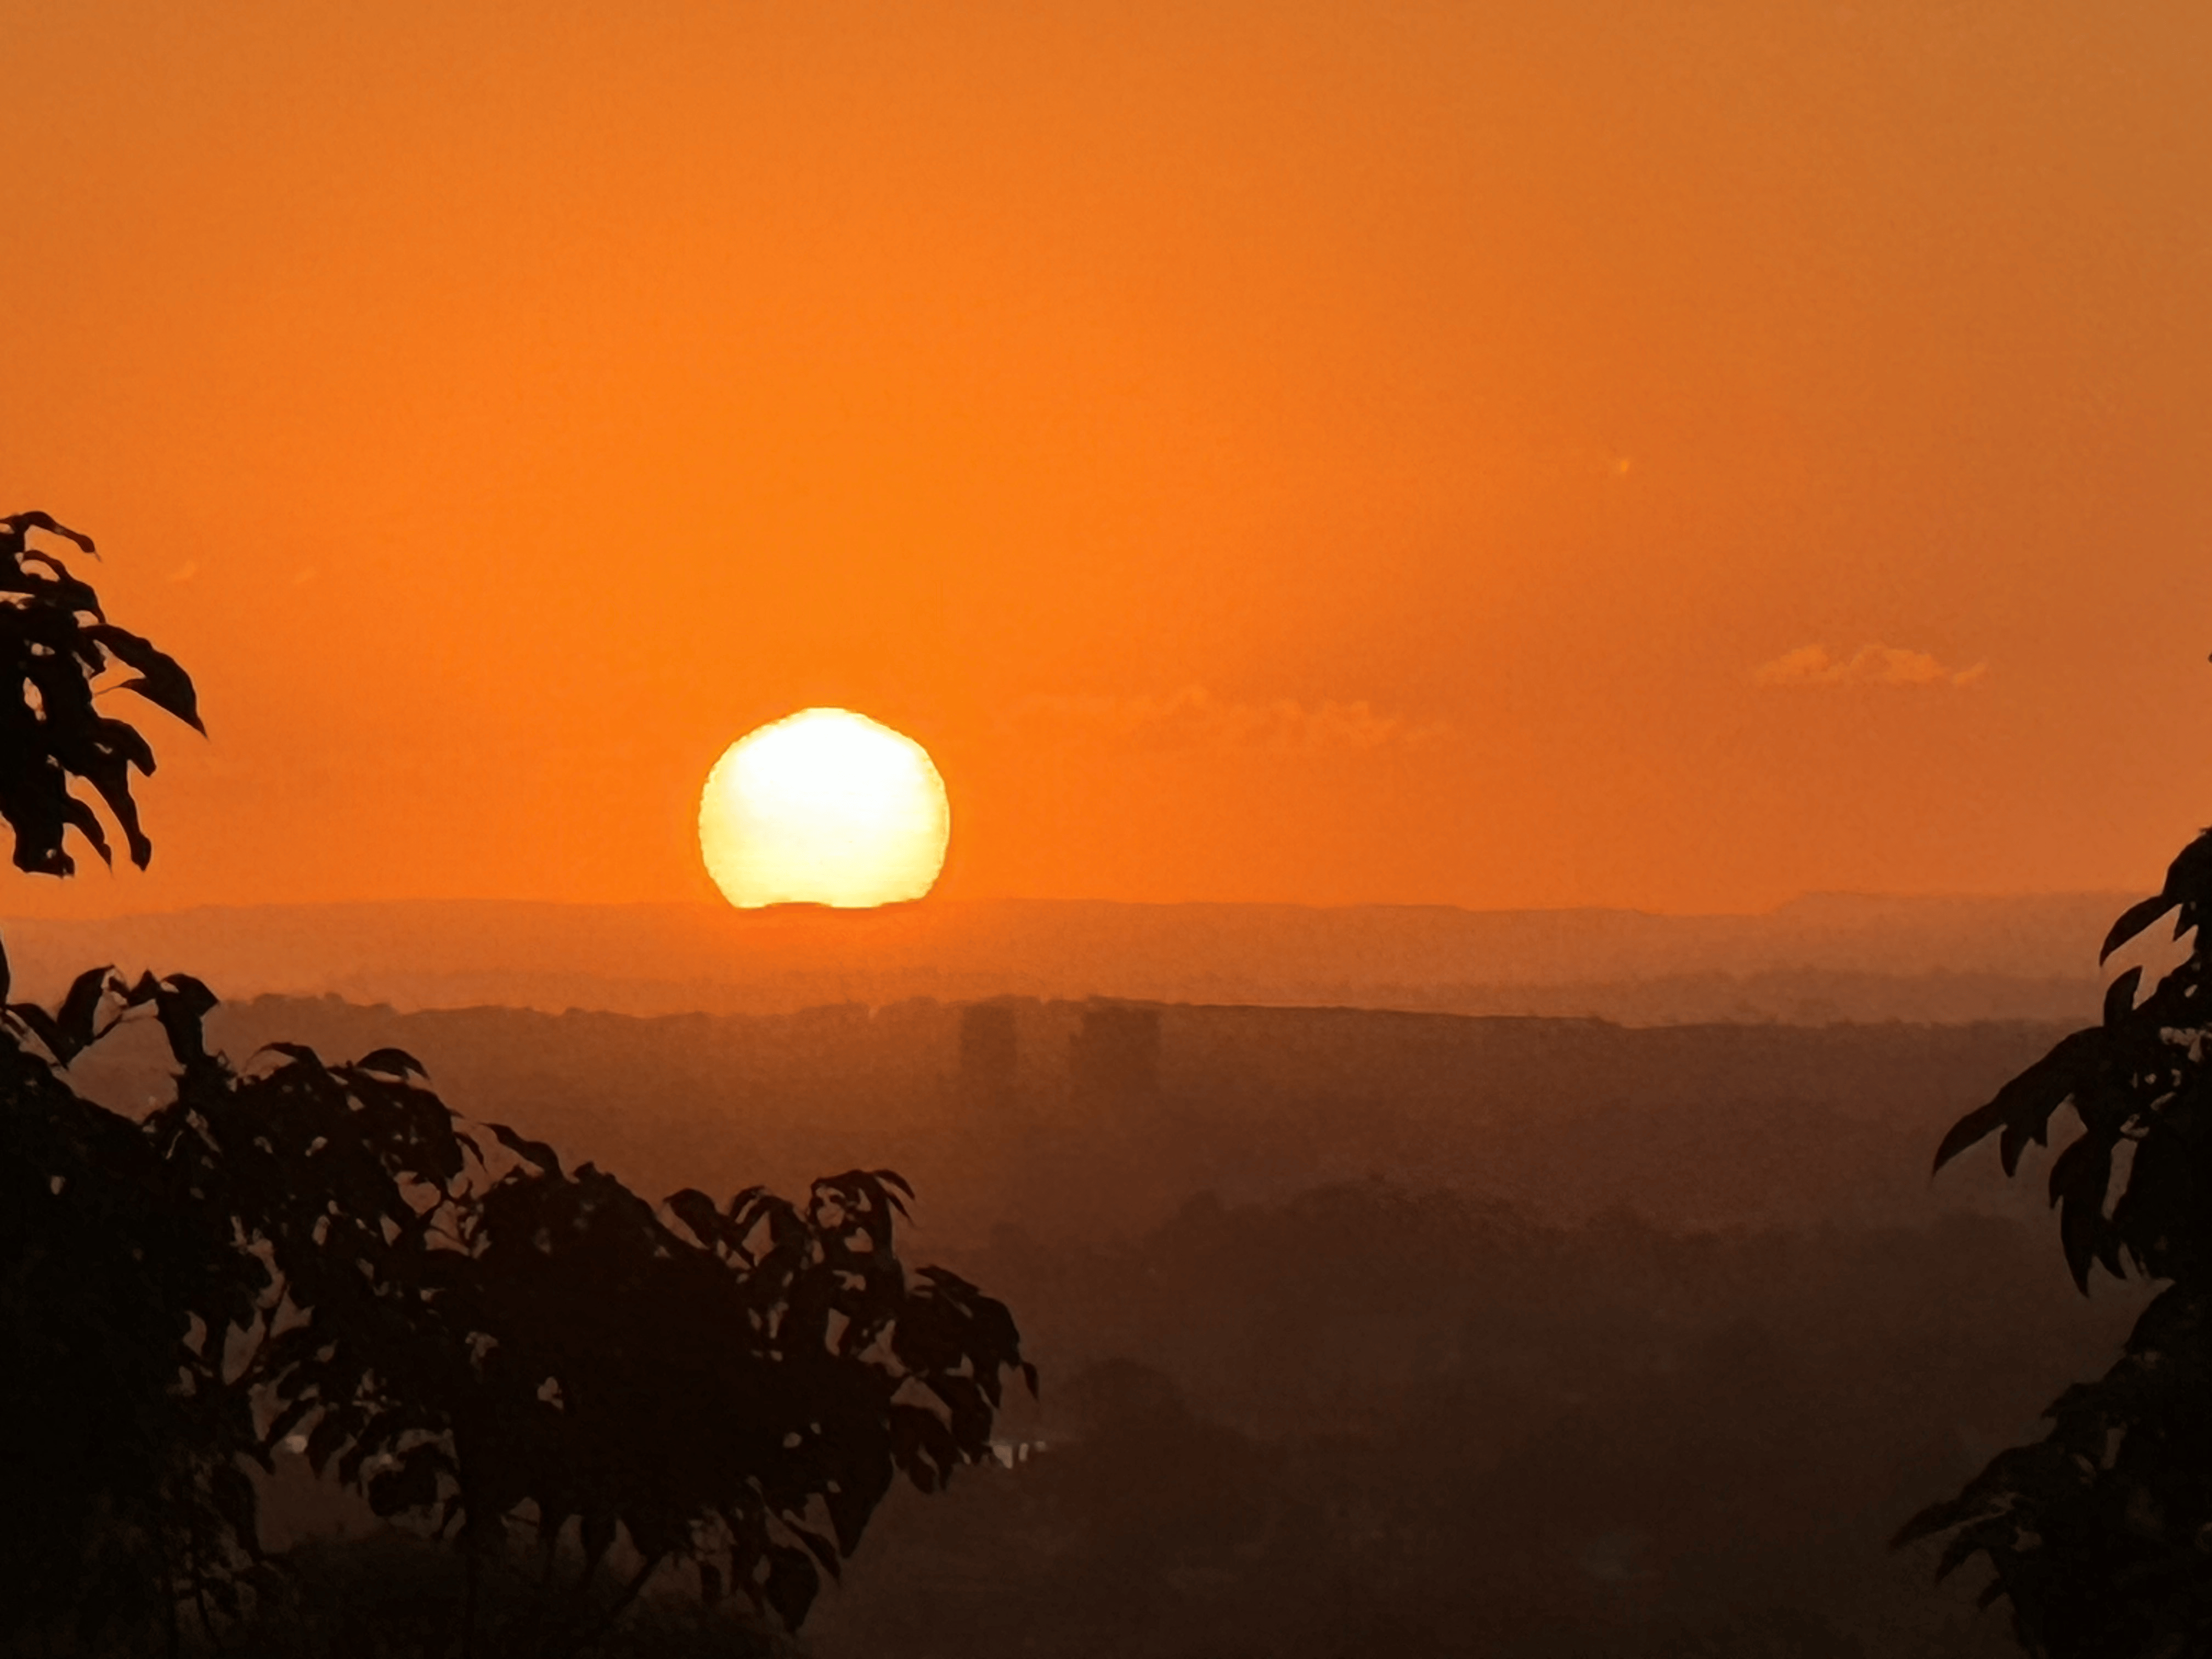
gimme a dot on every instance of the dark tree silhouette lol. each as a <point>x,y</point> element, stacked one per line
<point>2100,1533</point>
<point>55,645</point>
<point>464,1331</point>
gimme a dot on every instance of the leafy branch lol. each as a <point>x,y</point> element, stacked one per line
<point>2100,1534</point>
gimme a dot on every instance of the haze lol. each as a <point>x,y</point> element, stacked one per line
<point>1529,455</point>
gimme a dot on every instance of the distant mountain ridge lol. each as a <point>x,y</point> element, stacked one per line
<point>1823,958</point>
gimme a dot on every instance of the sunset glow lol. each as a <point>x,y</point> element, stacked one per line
<point>1560,627</point>
<point>824,807</point>
<point>1538,455</point>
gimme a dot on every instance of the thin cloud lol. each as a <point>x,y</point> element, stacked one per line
<point>1872,665</point>
<point>1194,718</point>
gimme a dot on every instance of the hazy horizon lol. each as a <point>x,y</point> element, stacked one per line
<point>1823,956</point>
<point>79,888</point>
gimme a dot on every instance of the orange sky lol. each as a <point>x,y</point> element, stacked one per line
<point>1323,452</point>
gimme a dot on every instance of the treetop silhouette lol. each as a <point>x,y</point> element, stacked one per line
<point>464,1330</point>
<point>2100,1533</point>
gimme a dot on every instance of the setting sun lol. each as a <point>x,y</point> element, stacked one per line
<point>823,807</point>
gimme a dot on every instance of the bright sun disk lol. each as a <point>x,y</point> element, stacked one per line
<point>823,807</point>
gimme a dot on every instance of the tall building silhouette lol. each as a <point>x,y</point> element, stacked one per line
<point>1114,1054</point>
<point>989,1050</point>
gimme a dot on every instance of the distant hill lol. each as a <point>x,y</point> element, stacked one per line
<point>1819,959</point>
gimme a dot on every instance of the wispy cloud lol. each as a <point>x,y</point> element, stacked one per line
<point>1194,718</point>
<point>1871,665</point>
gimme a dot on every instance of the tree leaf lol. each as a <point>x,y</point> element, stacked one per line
<point>159,680</point>
<point>80,1009</point>
<point>534,1152</point>
<point>393,1062</point>
<point>698,1213</point>
<point>816,1545</point>
<point>2132,921</point>
<point>2120,996</point>
<point>41,1025</point>
<point>793,1584</point>
<point>16,523</point>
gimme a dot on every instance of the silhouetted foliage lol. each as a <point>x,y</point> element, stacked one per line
<point>55,645</point>
<point>390,1592</point>
<point>2100,1533</point>
<point>463,1330</point>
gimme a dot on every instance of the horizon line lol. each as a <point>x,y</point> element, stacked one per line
<point>790,912</point>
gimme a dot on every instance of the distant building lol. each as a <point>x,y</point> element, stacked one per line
<point>989,1051</point>
<point>1115,1052</point>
